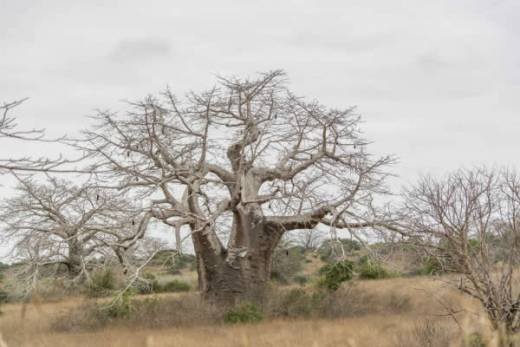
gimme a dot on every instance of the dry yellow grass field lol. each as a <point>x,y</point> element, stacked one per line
<point>31,325</point>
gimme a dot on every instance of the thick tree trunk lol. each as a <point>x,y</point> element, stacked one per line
<point>178,240</point>
<point>241,272</point>
<point>242,280</point>
<point>74,262</point>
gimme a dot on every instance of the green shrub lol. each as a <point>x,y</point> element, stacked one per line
<point>244,313</point>
<point>301,279</point>
<point>429,266</point>
<point>163,257</point>
<point>334,274</point>
<point>102,283</point>
<point>150,285</point>
<point>174,262</point>
<point>371,269</point>
<point>180,262</point>
<point>173,287</point>
<point>278,278</point>
<point>3,268</point>
<point>122,307</point>
<point>4,297</point>
<point>475,340</point>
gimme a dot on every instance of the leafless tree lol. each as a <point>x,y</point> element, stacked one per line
<point>239,165</point>
<point>58,222</point>
<point>310,239</point>
<point>470,222</point>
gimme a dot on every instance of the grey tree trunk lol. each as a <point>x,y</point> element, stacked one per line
<point>178,240</point>
<point>242,271</point>
<point>74,262</point>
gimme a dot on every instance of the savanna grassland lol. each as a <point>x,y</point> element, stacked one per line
<point>423,322</point>
<point>397,311</point>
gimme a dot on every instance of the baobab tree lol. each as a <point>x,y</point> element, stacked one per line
<point>239,165</point>
<point>469,222</point>
<point>59,222</point>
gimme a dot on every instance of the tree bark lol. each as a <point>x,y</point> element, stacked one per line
<point>228,284</point>
<point>74,263</point>
<point>178,240</point>
<point>242,271</point>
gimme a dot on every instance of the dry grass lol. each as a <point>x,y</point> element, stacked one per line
<point>422,323</point>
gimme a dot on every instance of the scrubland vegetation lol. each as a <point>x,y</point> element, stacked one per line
<point>370,306</point>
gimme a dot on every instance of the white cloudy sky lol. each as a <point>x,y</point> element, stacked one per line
<point>437,82</point>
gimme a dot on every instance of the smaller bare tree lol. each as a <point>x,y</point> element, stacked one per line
<point>310,239</point>
<point>470,223</point>
<point>57,222</point>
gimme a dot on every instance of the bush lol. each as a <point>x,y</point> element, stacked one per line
<point>286,264</point>
<point>297,303</point>
<point>430,266</point>
<point>147,313</point>
<point>4,297</point>
<point>174,262</point>
<point>181,262</point>
<point>173,286</point>
<point>94,315</point>
<point>244,313</point>
<point>348,301</point>
<point>301,279</point>
<point>148,285</point>
<point>335,274</point>
<point>371,269</point>
<point>102,283</point>
<point>475,340</point>
<point>163,257</point>
<point>121,307</point>
<point>3,268</point>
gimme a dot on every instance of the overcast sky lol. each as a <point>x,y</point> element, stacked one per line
<point>437,82</point>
